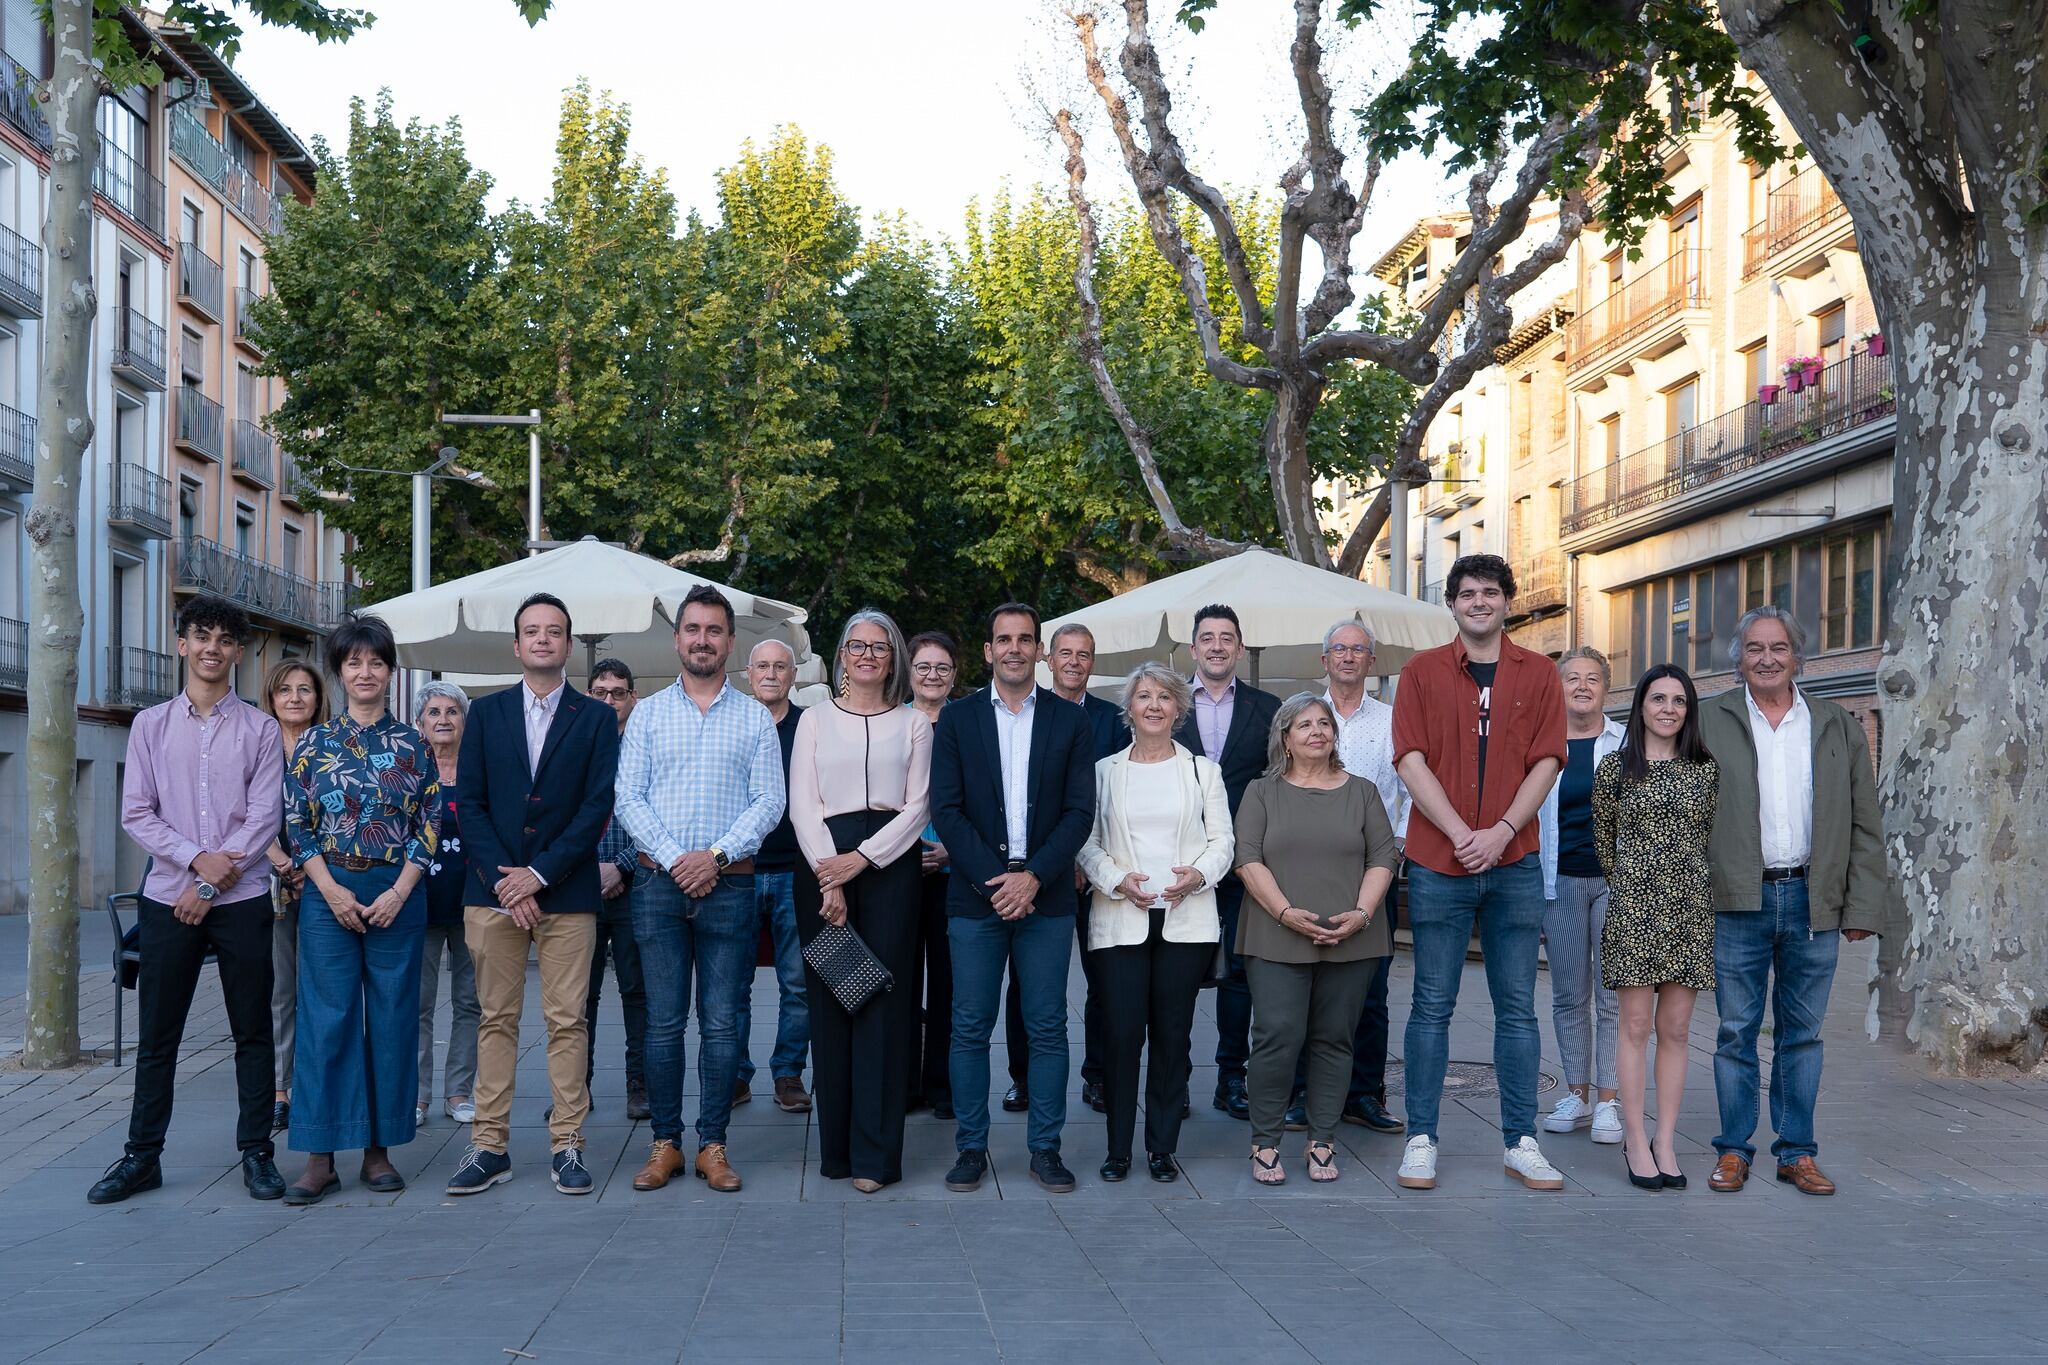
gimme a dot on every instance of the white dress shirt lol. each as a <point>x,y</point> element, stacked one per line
<point>1013,743</point>
<point>1784,781</point>
<point>1365,745</point>
<point>540,714</point>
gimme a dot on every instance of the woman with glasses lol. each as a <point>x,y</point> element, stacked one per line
<point>934,668</point>
<point>858,791</point>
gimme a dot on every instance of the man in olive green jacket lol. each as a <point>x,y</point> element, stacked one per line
<point>1797,854</point>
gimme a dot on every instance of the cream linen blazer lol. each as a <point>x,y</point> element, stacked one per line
<point>1206,843</point>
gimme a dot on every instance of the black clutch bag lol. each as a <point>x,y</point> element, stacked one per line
<point>847,966</point>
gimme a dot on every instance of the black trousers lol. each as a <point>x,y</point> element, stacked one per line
<point>1149,991</point>
<point>860,1064</point>
<point>1093,1037</point>
<point>615,931</point>
<point>1369,1039</point>
<point>931,1078</point>
<point>172,955</point>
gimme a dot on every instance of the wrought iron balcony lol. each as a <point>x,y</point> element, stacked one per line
<point>1800,207</point>
<point>21,275</point>
<point>126,184</point>
<point>336,601</point>
<point>288,486</point>
<point>1539,581</point>
<point>13,655</point>
<point>17,105</point>
<point>243,299</point>
<point>139,500</point>
<point>265,590</point>
<point>138,348</point>
<point>201,422</point>
<point>200,280</point>
<point>1433,592</point>
<point>1663,291</point>
<point>211,162</point>
<point>254,454</point>
<point>17,449</point>
<point>1850,393</point>
<point>139,677</point>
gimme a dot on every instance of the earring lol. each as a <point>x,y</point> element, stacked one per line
<point>842,682</point>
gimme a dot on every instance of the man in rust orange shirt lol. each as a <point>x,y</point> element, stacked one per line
<point>1478,739</point>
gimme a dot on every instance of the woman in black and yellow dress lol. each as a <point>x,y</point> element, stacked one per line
<point>1653,809</point>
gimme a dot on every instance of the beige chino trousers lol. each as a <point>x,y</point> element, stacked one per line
<point>499,949</point>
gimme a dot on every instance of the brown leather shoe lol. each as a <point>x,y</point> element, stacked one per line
<point>664,1159</point>
<point>1731,1173</point>
<point>1804,1175</point>
<point>790,1097</point>
<point>741,1093</point>
<point>714,1170</point>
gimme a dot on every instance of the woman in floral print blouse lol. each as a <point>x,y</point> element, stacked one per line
<point>362,816</point>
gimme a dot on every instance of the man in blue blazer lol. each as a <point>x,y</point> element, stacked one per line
<point>1230,724</point>
<point>1013,799</point>
<point>536,768</point>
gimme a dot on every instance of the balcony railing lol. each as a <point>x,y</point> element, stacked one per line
<point>1539,580</point>
<point>129,187</point>
<point>243,299</point>
<point>1850,393</point>
<point>1802,205</point>
<point>138,348</point>
<point>211,162</point>
<point>13,655</point>
<point>1664,290</point>
<point>288,479</point>
<point>17,448</point>
<point>336,600</point>
<point>254,454</point>
<point>201,422</point>
<point>1433,592</point>
<point>139,677</point>
<point>208,566</point>
<point>200,279</point>
<point>16,105</point>
<point>139,499</point>
<point>21,275</point>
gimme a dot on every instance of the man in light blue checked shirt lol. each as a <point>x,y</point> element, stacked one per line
<point>700,785</point>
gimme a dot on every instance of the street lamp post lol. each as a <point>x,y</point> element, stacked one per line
<point>531,421</point>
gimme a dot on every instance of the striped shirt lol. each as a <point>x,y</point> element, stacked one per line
<point>693,779</point>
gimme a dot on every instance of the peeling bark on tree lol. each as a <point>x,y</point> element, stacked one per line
<point>57,621</point>
<point>1938,153</point>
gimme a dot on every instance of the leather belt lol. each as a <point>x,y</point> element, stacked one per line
<point>743,867</point>
<point>355,862</point>
<point>1014,865</point>
<point>1785,874</point>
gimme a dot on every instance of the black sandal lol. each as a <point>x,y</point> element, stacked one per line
<point>1260,1168</point>
<point>1322,1162</point>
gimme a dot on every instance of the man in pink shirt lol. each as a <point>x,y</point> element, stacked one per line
<point>203,796</point>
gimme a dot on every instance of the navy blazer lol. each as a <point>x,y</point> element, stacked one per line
<point>1244,749</point>
<point>550,818</point>
<point>968,807</point>
<point>1106,724</point>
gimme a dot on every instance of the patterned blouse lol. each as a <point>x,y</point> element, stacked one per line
<point>371,791</point>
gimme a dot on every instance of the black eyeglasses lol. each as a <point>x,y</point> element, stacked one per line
<point>932,670</point>
<point>862,649</point>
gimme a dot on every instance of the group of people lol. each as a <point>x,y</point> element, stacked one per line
<point>1201,833</point>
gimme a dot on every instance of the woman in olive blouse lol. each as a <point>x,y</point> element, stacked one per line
<point>362,816</point>
<point>1316,854</point>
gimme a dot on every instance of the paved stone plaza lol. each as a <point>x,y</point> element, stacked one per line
<point>1935,1250</point>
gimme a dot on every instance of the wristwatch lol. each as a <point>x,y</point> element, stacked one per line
<point>718,856</point>
<point>207,890</point>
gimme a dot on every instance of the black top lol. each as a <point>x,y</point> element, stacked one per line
<point>779,851</point>
<point>448,873</point>
<point>1576,856</point>
<point>1482,674</point>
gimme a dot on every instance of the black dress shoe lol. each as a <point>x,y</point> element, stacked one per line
<point>280,1116</point>
<point>942,1109</point>
<point>132,1174</point>
<point>1295,1120</point>
<point>259,1173</point>
<point>1015,1100</point>
<point>1231,1099</point>
<point>1115,1169</point>
<point>1162,1166</point>
<point>968,1169</point>
<point>1052,1173</point>
<point>1368,1112</point>
<point>1091,1095</point>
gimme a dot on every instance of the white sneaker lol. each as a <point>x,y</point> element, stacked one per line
<point>1418,1164</point>
<point>419,1115</point>
<point>464,1112</point>
<point>1525,1162</point>
<point>1571,1112</point>
<point>1607,1122</point>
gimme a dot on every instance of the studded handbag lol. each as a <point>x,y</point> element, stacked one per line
<point>848,967</point>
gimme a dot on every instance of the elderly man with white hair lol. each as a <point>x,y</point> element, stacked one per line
<point>771,673</point>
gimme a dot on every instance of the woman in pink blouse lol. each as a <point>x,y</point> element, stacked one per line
<point>858,775</point>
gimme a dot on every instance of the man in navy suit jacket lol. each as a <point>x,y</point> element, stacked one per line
<point>536,766</point>
<point>1013,799</point>
<point>1231,725</point>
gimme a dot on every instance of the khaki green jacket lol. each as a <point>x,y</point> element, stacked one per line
<point>1846,878</point>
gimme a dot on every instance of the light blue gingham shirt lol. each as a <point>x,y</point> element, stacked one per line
<point>691,780</point>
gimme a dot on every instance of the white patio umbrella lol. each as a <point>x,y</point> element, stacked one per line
<point>621,605</point>
<point>1285,607</point>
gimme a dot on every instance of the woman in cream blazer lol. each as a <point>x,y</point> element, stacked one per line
<point>1162,840</point>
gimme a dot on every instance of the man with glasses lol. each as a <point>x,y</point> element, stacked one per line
<point>612,683</point>
<point>771,671</point>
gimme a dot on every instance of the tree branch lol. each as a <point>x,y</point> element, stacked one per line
<point>1139,440</point>
<point>723,549</point>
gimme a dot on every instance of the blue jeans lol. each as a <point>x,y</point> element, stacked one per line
<point>1507,903</point>
<point>357,1068</point>
<point>711,938</point>
<point>775,894</point>
<point>1038,949</point>
<point>1748,947</point>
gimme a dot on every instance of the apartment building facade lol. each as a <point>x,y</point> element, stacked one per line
<point>159,489</point>
<point>1689,433</point>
